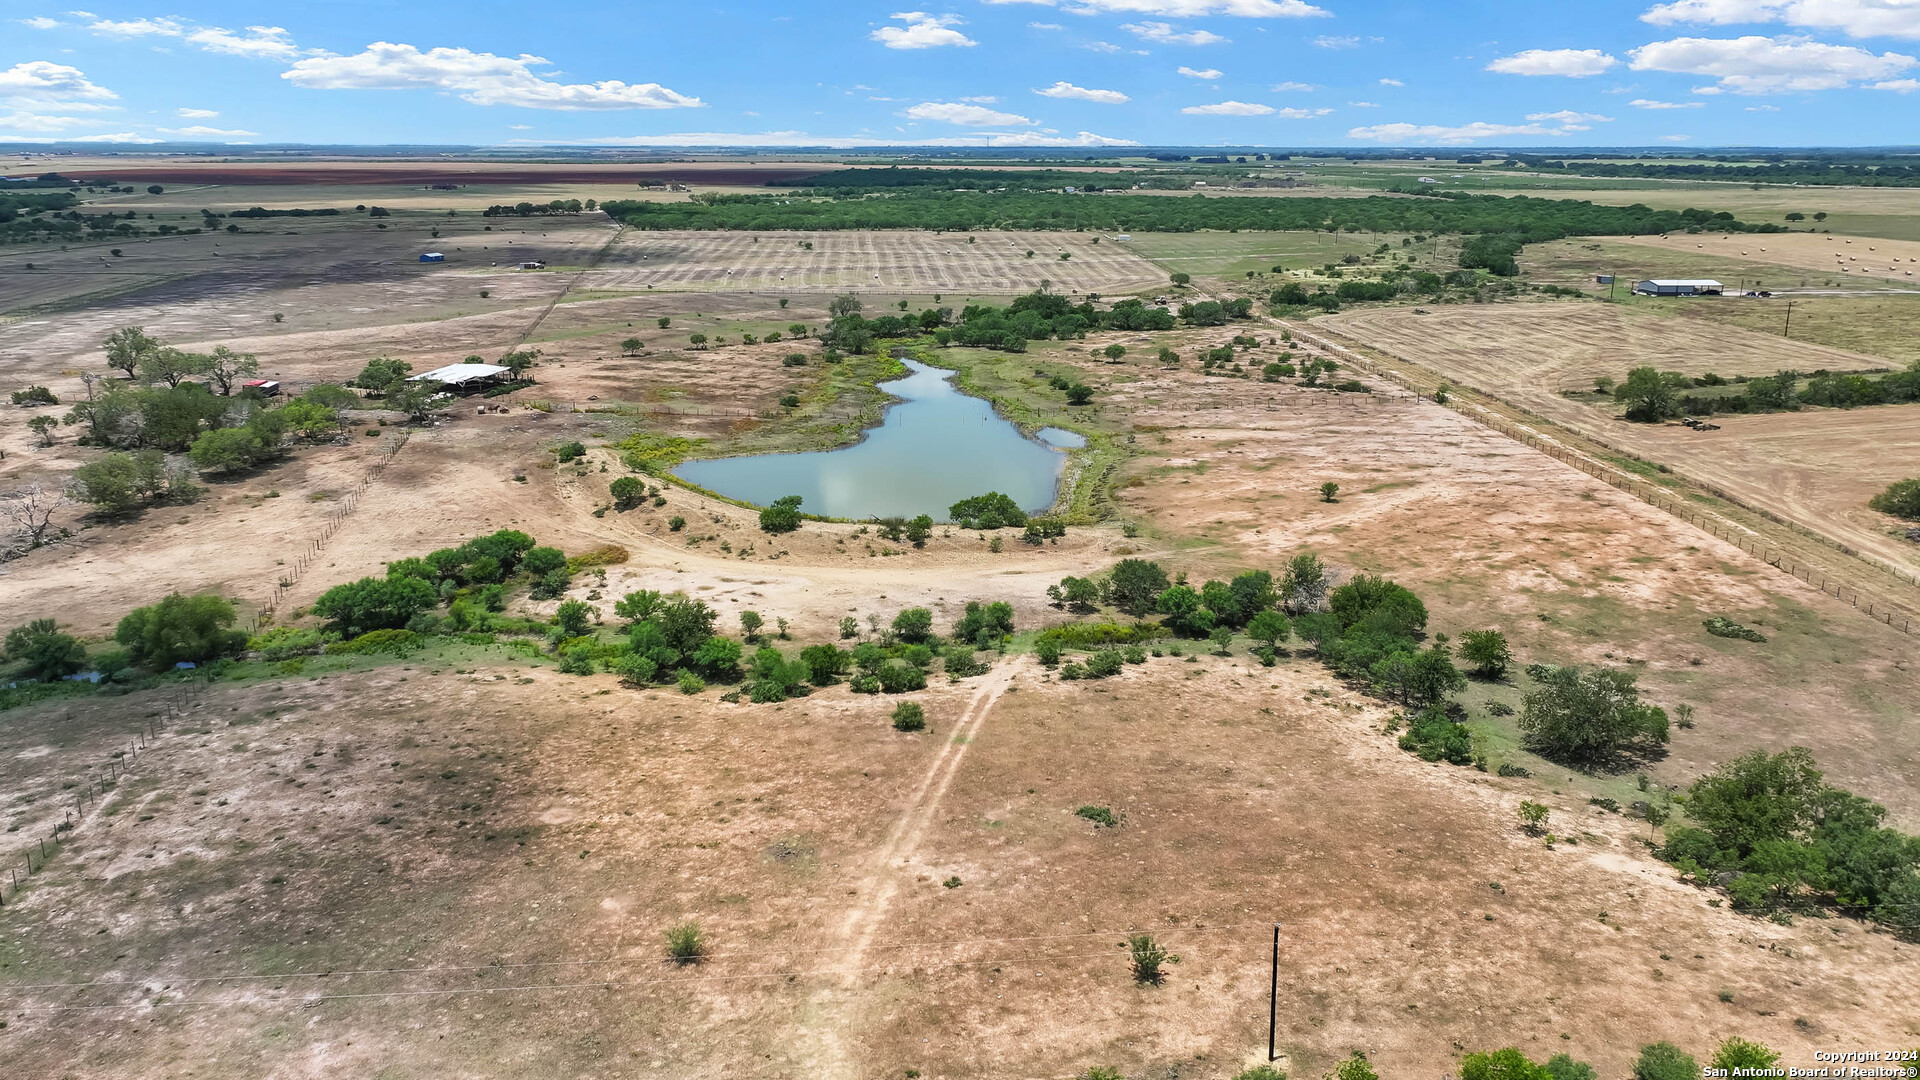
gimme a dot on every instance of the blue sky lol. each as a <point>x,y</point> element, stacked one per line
<point>968,72</point>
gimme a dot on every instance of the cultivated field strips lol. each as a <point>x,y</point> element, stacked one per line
<point>995,262</point>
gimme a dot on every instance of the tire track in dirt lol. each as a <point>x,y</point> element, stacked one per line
<point>877,887</point>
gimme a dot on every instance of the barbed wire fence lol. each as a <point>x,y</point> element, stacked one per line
<point>90,791</point>
<point>1877,607</point>
<point>335,519</point>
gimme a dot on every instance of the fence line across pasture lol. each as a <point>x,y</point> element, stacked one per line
<point>317,544</point>
<point>1878,608</point>
<point>94,785</point>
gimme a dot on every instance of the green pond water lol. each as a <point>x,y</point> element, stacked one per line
<point>932,449</point>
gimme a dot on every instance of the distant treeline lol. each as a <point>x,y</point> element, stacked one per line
<point>1530,220</point>
<point>855,181</point>
<point>530,209</point>
<point>1868,173</point>
<point>260,212</point>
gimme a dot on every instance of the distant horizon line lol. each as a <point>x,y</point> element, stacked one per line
<point>66,147</point>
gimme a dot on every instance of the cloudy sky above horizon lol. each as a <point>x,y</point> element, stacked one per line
<point>1006,73</point>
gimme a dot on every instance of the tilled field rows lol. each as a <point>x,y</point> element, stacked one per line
<point>896,261</point>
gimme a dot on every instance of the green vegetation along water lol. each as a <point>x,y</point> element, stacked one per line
<point>935,448</point>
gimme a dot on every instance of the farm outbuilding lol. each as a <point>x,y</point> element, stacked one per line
<point>1679,287</point>
<point>433,256</point>
<point>465,376</point>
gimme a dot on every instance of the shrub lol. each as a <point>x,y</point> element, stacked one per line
<point>570,451</point>
<point>676,523</point>
<point>1738,1053</point>
<point>284,642</point>
<point>35,395</point>
<point>627,492</point>
<point>577,659</point>
<point>1721,626</point>
<point>913,624</point>
<point>864,684</point>
<point>375,603</point>
<point>686,944</point>
<point>1901,499</point>
<point>1507,1064</point>
<point>1261,1072</point>
<point>901,678</point>
<point>574,617</point>
<point>1101,816</point>
<point>1434,736</point>
<point>1104,664</point>
<point>1222,637</point>
<point>690,683</point>
<point>1533,815</point>
<point>1356,1067</point>
<point>909,716</point>
<point>1664,1061</point>
<point>552,584</point>
<point>180,629</point>
<point>635,670</point>
<point>1266,655</point>
<point>990,511</point>
<point>541,561</point>
<point>1047,651</point>
<point>43,652</point>
<point>1147,956</point>
<point>781,517</point>
<point>1137,654</point>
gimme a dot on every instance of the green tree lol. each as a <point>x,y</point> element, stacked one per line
<point>1304,586</point>
<point>1585,716</point>
<point>1664,1061</point>
<point>1115,351</point>
<point>1269,626</point>
<point>1136,586</point>
<point>914,624</point>
<point>416,398</point>
<point>1180,277</point>
<point>127,347</point>
<point>639,605</point>
<point>919,530</point>
<point>574,617</point>
<point>1533,817</point>
<point>1901,499</point>
<point>180,629</point>
<point>781,517</point>
<point>627,492</point>
<point>1487,651</point>
<point>381,374</point>
<point>1079,394</point>
<point>1183,613</point>
<point>171,366</point>
<point>371,603</point>
<point>632,345</point>
<point>717,658</point>
<point>518,361</point>
<point>1356,1067</point>
<point>825,663</point>
<point>117,483</point>
<point>1147,956</point>
<point>1648,396</point>
<point>990,511</point>
<point>43,652</point>
<point>909,716</point>
<point>224,367</point>
<point>1328,490</point>
<point>750,624</point>
<point>44,427</point>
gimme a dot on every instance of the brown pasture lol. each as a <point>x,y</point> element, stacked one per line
<point>1817,467</point>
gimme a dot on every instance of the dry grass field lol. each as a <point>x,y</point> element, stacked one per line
<point>462,863</point>
<point>1816,466</point>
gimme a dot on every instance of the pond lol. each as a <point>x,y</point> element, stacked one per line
<point>934,448</point>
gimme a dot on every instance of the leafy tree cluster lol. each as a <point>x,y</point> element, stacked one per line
<point>990,511</point>
<point>1777,837</point>
<point>855,182</point>
<point>41,651</point>
<point>471,577</point>
<point>530,209</point>
<point>1587,716</point>
<point>261,212</point>
<point>1862,172</point>
<point>1901,499</point>
<point>1653,395</point>
<point>180,630</point>
<point>120,481</point>
<point>1531,219</point>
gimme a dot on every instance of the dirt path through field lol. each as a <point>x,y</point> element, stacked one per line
<point>890,863</point>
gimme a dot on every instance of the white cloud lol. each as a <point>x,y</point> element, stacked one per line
<point>1649,103</point>
<point>1044,26</point>
<point>201,131</point>
<point>923,31</point>
<point>1081,93</point>
<point>197,114</point>
<point>801,138</point>
<point>1452,135</point>
<point>1569,117</point>
<point>1229,108</point>
<point>39,22</point>
<point>1361,105</point>
<point>1102,47</point>
<point>964,115</point>
<point>1857,18</point>
<point>1898,86</point>
<point>1331,41</point>
<point>122,137</point>
<point>39,123</point>
<point>1675,138</point>
<point>479,78</point>
<point>43,80</point>
<point>1763,65</point>
<point>132,28</point>
<point>268,42</point>
<point>1391,82</point>
<point>1201,73</point>
<point>1301,114</point>
<point>1293,88</point>
<point>1165,34</point>
<point>983,99</point>
<point>1185,9</point>
<point>1572,63</point>
<point>1766,108</point>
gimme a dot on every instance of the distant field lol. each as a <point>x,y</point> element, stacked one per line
<point>1893,213</point>
<point>919,262</point>
<point>1764,265</point>
<point>1225,254</point>
<point>1817,466</point>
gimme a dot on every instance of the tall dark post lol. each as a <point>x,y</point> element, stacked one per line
<point>1788,331</point>
<point>1273,996</point>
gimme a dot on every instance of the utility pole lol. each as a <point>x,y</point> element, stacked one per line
<point>1788,332</point>
<point>1273,996</point>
